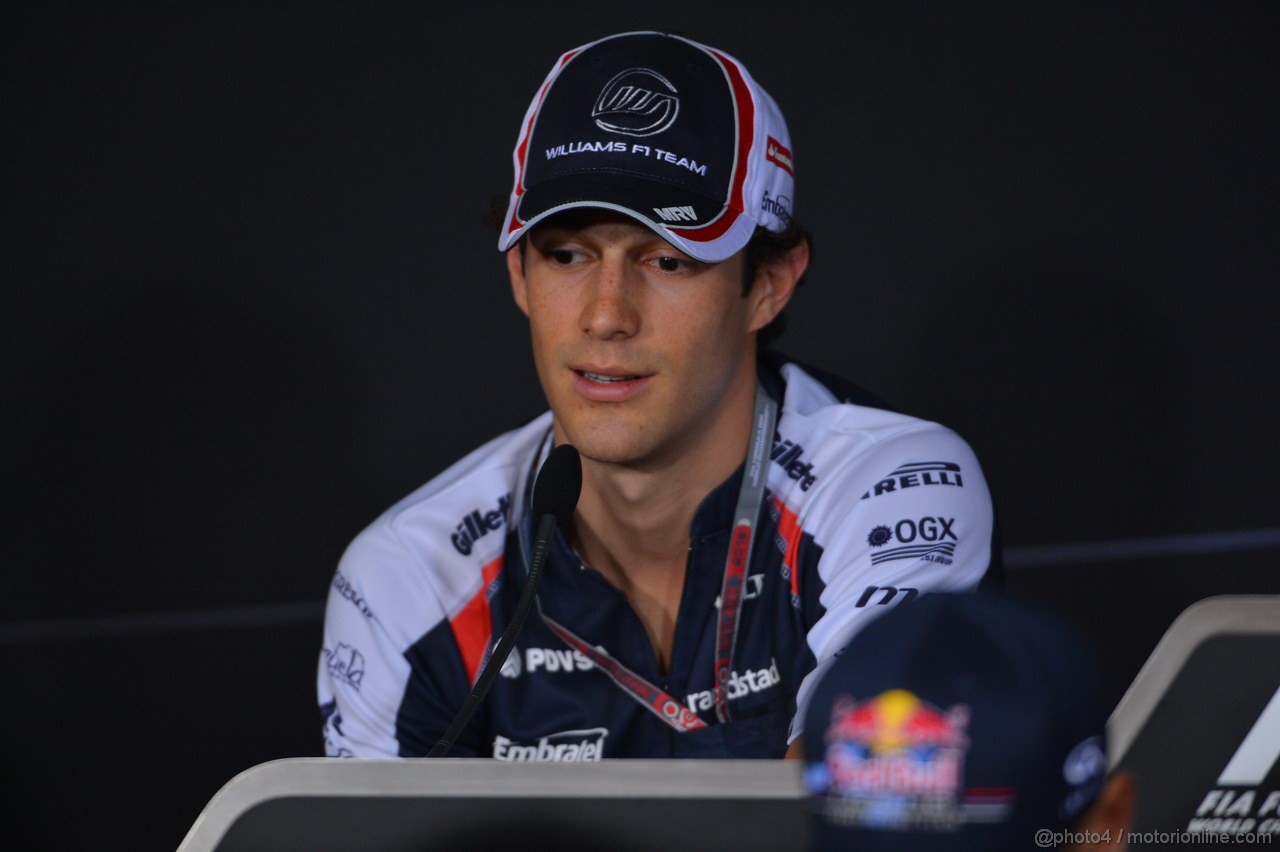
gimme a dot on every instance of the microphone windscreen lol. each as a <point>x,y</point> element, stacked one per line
<point>556,490</point>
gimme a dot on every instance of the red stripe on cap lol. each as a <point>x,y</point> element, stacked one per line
<point>746,109</point>
<point>522,147</point>
<point>472,627</point>
<point>791,532</point>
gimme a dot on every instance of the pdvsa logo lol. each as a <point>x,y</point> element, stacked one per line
<point>637,102</point>
<point>916,474</point>
<point>552,660</point>
<point>583,746</point>
<point>511,666</point>
<point>476,525</point>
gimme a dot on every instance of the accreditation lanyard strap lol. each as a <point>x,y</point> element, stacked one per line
<point>750,496</point>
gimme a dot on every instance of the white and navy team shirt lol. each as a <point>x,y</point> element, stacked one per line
<point>864,509</point>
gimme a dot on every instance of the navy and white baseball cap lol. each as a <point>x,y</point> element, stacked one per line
<point>955,722</point>
<point>666,130</point>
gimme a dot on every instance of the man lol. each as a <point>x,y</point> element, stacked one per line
<point>964,722</point>
<point>649,239</point>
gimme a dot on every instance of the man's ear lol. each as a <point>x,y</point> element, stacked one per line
<point>775,283</point>
<point>515,270</point>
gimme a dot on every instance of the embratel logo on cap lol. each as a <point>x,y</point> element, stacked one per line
<point>637,102</point>
<point>780,156</point>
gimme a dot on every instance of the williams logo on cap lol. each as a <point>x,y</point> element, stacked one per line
<point>637,102</point>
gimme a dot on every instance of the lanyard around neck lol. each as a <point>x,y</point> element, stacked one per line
<point>746,512</point>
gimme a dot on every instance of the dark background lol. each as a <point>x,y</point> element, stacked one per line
<point>248,301</point>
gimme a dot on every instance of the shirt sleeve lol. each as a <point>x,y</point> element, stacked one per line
<point>913,515</point>
<point>389,677</point>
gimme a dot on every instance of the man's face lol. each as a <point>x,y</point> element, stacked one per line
<point>644,354</point>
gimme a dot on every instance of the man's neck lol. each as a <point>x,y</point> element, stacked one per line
<point>634,520</point>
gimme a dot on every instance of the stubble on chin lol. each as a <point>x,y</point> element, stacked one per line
<point>603,442</point>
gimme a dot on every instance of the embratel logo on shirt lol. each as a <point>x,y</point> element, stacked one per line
<point>916,474</point>
<point>637,102</point>
<point>584,746</point>
<point>476,525</point>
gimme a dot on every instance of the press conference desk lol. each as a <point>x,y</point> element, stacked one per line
<point>382,805</point>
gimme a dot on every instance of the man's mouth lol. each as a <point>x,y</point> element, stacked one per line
<point>601,378</point>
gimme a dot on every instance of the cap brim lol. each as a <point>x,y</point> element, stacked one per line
<point>701,227</point>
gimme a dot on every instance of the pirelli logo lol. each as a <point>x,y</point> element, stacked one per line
<point>916,475</point>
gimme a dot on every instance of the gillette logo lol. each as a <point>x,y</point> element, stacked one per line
<point>584,746</point>
<point>476,525</point>
<point>789,456</point>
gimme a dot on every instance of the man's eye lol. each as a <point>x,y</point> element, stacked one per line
<point>562,256</point>
<point>672,264</point>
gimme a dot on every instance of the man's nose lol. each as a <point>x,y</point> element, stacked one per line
<point>611,308</point>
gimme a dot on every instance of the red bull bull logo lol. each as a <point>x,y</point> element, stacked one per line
<point>895,745</point>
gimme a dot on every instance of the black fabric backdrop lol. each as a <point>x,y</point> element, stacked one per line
<point>249,300</point>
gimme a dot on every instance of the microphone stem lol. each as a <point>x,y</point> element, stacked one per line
<point>541,540</point>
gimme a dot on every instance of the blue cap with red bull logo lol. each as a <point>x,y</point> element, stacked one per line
<point>955,722</point>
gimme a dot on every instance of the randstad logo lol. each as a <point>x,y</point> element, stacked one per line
<point>477,525</point>
<point>637,102</point>
<point>584,746</point>
<point>740,685</point>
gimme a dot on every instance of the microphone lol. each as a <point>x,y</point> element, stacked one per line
<point>555,494</point>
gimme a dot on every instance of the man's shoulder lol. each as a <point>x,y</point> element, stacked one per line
<point>837,446</point>
<point>440,541</point>
<point>478,479</point>
<point>843,421</point>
